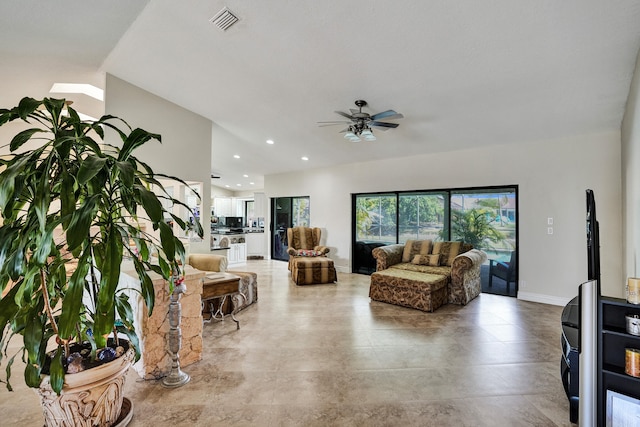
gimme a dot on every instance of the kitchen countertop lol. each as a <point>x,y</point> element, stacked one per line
<point>246,231</point>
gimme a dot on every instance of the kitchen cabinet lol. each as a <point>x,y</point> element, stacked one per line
<point>222,206</point>
<point>255,245</point>
<point>237,253</point>
<point>228,206</point>
<point>235,245</point>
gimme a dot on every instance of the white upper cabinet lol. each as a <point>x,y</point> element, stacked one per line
<point>222,206</point>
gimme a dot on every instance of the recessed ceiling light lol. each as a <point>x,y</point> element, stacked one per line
<point>239,185</point>
<point>86,89</point>
<point>305,158</point>
<point>227,186</point>
<point>270,141</point>
<point>235,156</point>
<point>251,183</point>
<point>245,175</point>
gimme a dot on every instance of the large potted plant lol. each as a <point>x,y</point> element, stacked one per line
<point>72,208</point>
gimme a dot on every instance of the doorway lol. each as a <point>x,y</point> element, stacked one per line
<point>286,212</point>
<point>487,218</point>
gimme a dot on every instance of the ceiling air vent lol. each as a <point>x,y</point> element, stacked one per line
<point>224,19</point>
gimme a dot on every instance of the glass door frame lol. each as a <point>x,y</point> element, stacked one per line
<point>278,227</point>
<point>448,192</point>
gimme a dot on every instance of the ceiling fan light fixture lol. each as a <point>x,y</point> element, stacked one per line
<point>367,135</point>
<point>360,123</point>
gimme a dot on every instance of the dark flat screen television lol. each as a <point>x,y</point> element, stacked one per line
<point>571,318</point>
<point>593,239</point>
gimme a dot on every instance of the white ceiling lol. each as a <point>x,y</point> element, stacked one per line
<point>464,73</point>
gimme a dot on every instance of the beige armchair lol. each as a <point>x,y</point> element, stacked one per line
<point>218,263</point>
<point>305,241</point>
<point>208,262</point>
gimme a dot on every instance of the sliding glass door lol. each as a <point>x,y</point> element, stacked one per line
<point>376,218</point>
<point>421,216</point>
<point>483,217</point>
<point>286,212</point>
<point>487,219</point>
<point>375,224</point>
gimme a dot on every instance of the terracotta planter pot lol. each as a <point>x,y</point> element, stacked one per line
<point>89,398</point>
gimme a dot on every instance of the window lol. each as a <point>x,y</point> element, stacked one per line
<point>248,212</point>
<point>300,214</point>
<point>376,218</point>
<point>421,216</point>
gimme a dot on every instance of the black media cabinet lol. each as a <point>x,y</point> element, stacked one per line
<point>612,342</point>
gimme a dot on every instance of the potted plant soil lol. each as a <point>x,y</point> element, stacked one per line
<point>72,208</point>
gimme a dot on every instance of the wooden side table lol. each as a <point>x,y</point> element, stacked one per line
<point>219,286</point>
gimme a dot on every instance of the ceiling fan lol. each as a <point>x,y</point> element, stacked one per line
<point>360,124</point>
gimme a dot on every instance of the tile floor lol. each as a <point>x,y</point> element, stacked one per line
<point>325,355</point>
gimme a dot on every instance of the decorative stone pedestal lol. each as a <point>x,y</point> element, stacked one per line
<point>153,331</point>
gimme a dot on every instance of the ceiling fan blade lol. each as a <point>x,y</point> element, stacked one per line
<point>389,114</point>
<point>353,110</point>
<point>335,121</point>
<point>331,124</point>
<point>383,125</point>
<point>345,130</point>
<point>344,115</point>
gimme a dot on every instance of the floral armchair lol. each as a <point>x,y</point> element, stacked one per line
<point>305,241</point>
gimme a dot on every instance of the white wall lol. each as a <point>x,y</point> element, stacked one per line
<point>220,192</point>
<point>552,177</point>
<point>185,151</point>
<point>631,178</point>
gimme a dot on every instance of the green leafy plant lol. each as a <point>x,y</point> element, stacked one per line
<point>69,199</point>
<point>474,226</point>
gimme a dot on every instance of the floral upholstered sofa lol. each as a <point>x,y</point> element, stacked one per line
<point>425,275</point>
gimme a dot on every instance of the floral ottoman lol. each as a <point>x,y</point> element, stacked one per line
<point>422,291</point>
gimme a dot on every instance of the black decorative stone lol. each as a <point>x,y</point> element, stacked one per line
<point>107,354</point>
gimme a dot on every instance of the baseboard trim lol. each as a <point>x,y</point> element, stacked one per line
<point>543,299</point>
<point>341,269</point>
